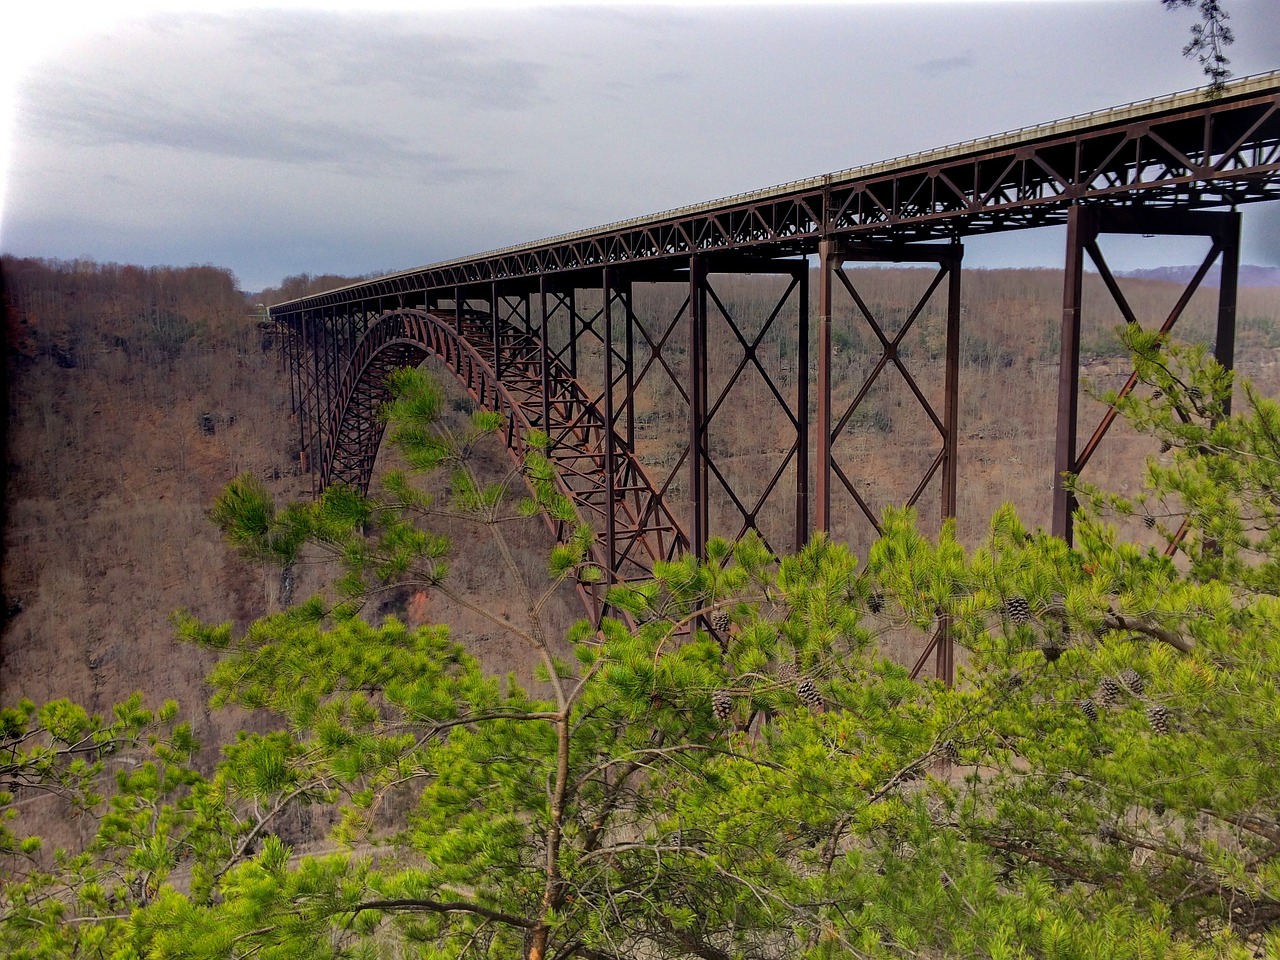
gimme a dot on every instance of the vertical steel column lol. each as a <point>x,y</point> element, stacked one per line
<point>286,329</point>
<point>304,409</point>
<point>698,405</point>
<point>297,350</point>
<point>610,472</point>
<point>951,387</point>
<point>545,363</point>
<point>574,329</point>
<point>315,451</point>
<point>944,658</point>
<point>1224,347</point>
<point>315,456</point>
<point>322,412</point>
<point>630,434</point>
<point>457,310</point>
<point>494,326</point>
<point>278,343</point>
<point>1081,230</point>
<point>338,320</point>
<point>802,410</point>
<point>828,254</point>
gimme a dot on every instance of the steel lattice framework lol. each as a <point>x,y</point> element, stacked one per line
<point>549,334</point>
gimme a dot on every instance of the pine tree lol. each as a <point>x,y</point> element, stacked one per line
<point>1118,801</point>
<point>1210,36</point>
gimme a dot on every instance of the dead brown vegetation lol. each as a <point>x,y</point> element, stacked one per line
<point>135,394</point>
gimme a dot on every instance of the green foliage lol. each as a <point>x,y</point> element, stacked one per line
<point>1210,36</point>
<point>1101,781</point>
<point>56,903</point>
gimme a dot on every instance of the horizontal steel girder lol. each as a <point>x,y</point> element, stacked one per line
<point>1184,152</point>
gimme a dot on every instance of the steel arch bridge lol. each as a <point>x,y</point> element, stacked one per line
<point>553,333</point>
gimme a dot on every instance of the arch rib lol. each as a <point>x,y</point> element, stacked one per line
<point>630,509</point>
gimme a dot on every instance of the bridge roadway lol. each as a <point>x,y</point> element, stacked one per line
<point>512,325</point>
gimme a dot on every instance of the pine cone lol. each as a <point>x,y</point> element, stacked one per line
<point>808,693</point>
<point>1090,709</point>
<point>1018,610</point>
<point>721,705</point>
<point>1165,446</point>
<point>1195,394</point>
<point>951,751</point>
<point>1014,682</point>
<point>720,621</point>
<point>1108,833</point>
<point>1108,691</point>
<point>1149,522</point>
<point>875,602</point>
<point>1157,394</point>
<point>1158,717</point>
<point>1132,681</point>
<point>786,672</point>
<point>1051,652</point>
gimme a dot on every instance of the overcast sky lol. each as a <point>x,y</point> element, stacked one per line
<point>309,139</point>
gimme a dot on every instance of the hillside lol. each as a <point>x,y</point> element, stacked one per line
<point>135,394</point>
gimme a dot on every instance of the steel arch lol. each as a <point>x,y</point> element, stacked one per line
<point>625,503</point>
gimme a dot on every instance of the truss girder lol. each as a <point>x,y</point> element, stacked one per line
<point>1183,152</point>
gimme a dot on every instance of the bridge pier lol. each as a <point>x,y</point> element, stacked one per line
<point>833,254</point>
<point>699,521</point>
<point>1085,225</point>
<point>1142,168</point>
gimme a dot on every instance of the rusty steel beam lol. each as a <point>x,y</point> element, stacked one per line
<point>1224,346</point>
<point>1145,168</point>
<point>610,419</point>
<point>828,255</point>
<point>803,521</point>
<point>698,520</point>
<point>1184,151</point>
<point>1086,225</point>
<point>1081,228</point>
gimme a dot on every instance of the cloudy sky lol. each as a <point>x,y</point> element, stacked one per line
<point>305,138</point>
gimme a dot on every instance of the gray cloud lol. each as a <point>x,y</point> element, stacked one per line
<point>285,142</point>
<point>81,113</point>
<point>944,65</point>
<point>329,105</point>
<point>395,54</point>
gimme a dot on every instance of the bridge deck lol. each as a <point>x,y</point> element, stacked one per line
<point>1180,150</point>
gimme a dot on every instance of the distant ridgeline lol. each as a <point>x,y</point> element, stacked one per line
<point>1250,276</point>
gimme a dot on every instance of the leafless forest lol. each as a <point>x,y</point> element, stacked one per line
<point>135,394</point>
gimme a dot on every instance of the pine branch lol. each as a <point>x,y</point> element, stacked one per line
<point>1053,863</point>
<point>437,906</point>
<point>1116,622</point>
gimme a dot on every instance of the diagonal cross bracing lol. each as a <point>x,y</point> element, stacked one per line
<point>551,334</point>
<point>644,531</point>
